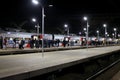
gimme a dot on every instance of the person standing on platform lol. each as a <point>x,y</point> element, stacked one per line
<point>1,42</point>
<point>14,45</point>
<point>64,43</point>
<point>5,43</point>
<point>21,44</point>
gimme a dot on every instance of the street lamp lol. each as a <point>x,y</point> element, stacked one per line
<point>37,26</point>
<point>85,31</point>
<point>36,2</point>
<point>33,19</point>
<point>80,33</point>
<point>97,35</point>
<point>113,35</point>
<point>115,30</point>
<point>108,35</point>
<point>66,26</point>
<point>86,19</point>
<point>105,26</point>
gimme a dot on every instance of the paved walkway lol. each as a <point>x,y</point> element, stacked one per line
<point>18,67</point>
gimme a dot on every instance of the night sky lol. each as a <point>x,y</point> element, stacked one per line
<point>19,12</point>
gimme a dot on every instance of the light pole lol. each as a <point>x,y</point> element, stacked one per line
<point>43,15</point>
<point>37,26</point>
<point>113,35</point>
<point>86,19</point>
<point>105,26</point>
<point>66,27</point>
<point>36,2</point>
<point>115,30</point>
<point>97,35</point>
<point>42,30</point>
<point>85,32</point>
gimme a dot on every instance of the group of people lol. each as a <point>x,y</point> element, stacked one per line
<point>37,43</point>
<point>47,43</point>
<point>34,43</point>
<point>4,42</point>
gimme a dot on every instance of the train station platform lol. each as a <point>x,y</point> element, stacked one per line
<point>19,67</point>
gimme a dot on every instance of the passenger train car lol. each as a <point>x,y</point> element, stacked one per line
<point>10,36</point>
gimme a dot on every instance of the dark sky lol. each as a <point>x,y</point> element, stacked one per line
<point>70,12</point>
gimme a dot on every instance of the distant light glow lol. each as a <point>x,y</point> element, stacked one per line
<point>118,35</point>
<point>115,29</point>
<point>97,31</point>
<point>50,5</point>
<point>33,19</point>
<point>85,18</point>
<point>8,32</point>
<point>35,2</point>
<point>104,25</point>
<point>65,25</point>
<point>79,32</point>
<point>11,38</point>
<point>110,39</point>
<point>84,29</point>
<point>113,34</point>
<point>106,33</point>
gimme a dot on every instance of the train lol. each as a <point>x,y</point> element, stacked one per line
<point>77,40</point>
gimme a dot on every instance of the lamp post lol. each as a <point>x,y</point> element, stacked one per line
<point>108,35</point>
<point>37,26</point>
<point>42,30</point>
<point>86,19</point>
<point>97,35</point>
<point>115,30</point>
<point>36,2</point>
<point>85,31</point>
<point>33,19</point>
<point>105,26</point>
<point>113,35</point>
<point>66,27</point>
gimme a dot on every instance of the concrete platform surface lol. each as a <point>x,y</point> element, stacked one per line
<point>21,66</point>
